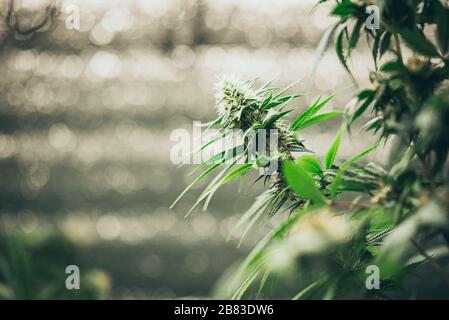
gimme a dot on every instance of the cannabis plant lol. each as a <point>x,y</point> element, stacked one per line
<point>255,113</point>
<point>345,220</point>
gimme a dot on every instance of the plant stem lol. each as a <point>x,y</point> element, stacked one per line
<point>435,265</point>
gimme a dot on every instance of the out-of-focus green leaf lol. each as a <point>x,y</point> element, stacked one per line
<point>345,8</point>
<point>376,46</point>
<point>367,96</point>
<point>241,170</point>
<point>443,30</point>
<point>417,41</point>
<point>398,241</point>
<point>320,50</point>
<point>245,285</point>
<point>311,164</point>
<point>385,43</point>
<point>255,258</point>
<point>302,182</point>
<point>393,65</point>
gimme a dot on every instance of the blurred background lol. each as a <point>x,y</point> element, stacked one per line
<point>85,123</point>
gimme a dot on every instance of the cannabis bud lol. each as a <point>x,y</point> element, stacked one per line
<point>237,103</point>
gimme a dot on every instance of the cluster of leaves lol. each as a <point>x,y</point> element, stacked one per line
<point>408,97</point>
<point>299,184</point>
<point>395,218</point>
<point>256,111</point>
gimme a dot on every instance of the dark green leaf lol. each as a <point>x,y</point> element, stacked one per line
<point>355,36</point>
<point>385,43</point>
<point>443,30</point>
<point>306,115</point>
<point>339,49</point>
<point>417,41</point>
<point>345,8</point>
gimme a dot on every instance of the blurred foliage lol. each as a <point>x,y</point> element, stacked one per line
<point>346,217</point>
<point>33,267</point>
<point>83,111</point>
<point>342,216</point>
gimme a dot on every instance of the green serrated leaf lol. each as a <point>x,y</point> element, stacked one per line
<point>311,164</point>
<point>354,39</point>
<point>393,65</point>
<point>385,43</point>
<point>339,48</point>
<point>310,112</point>
<point>375,50</point>
<point>333,150</point>
<point>360,110</point>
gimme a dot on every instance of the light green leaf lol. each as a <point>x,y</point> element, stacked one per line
<point>311,164</point>
<point>417,41</point>
<point>255,258</point>
<point>318,119</point>
<point>244,168</point>
<point>310,112</point>
<point>246,284</point>
<point>302,182</point>
<point>280,93</point>
<point>333,150</point>
<point>312,287</point>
